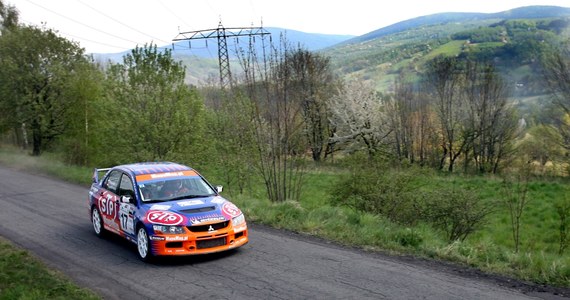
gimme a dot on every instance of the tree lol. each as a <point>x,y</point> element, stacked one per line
<point>152,114</point>
<point>79,143</point>
<point>9,17</point>
<point>358,116</point>
<point>443,78</point>
<point>515,189</point>
<point>411,122</point>
<point>492,119</point>
<point>312,86</point>
<point>36,66</point>
<point>276,119</point>
<point>556,72</point>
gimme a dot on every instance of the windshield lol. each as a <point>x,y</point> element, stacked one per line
<point>174,189</point>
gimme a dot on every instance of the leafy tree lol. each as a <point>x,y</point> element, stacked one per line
<point>80,143</point>
<point>152,114</point>
<point>36,66</point>
<point>9,17</point>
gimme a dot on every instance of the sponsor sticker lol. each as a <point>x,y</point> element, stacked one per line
<point>207,220</point>
<point>218,200</point>
<point>230,210</point>
<point>190,203</point>
<point>160,207</point>
<point>164,217</point>
<point>156,238</point>
<point>176,238</point>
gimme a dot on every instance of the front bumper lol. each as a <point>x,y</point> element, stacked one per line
<point>193,243</point>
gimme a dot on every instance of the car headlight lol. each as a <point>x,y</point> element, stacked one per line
<point>168,229</point>
<point>239,220</point>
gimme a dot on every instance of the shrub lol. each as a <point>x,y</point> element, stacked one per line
<point>458,212</point>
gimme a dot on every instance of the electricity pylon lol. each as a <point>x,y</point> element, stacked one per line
<point>221,34</point>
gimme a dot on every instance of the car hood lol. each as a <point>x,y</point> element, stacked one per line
<point>188,212</point>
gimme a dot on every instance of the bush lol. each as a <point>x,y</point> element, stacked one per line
<point>458,212</point>
<point>394,194</point>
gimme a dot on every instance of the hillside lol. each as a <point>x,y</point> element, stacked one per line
<point>528,12</point>
<point>509,38</point>
<point>513,40</point>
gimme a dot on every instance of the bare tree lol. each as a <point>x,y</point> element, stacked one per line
<point>515,189</point>
<point>556,72</point>
<point>276,119</point>
<point>312,86</point>
<point>490,115</point>
<point>357,114</point>
<point>444,80</point>
<point>411,122</point>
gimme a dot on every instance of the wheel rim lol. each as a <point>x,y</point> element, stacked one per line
<point>142,243</point>
<point>96,221</point>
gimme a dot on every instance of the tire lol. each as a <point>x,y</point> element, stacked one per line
<point>97,222</point>
<point>144,250</point>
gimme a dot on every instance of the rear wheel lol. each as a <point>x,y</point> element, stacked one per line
<point>143,245</point>
<point>97,222</point>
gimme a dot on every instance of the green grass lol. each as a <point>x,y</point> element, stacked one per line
<point>490,249</point>
<point>25,277</point>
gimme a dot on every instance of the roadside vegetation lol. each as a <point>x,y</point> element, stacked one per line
<point>22,276</point>
<point>444,165</point>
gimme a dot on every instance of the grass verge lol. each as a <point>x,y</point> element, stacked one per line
<point>25,277</point>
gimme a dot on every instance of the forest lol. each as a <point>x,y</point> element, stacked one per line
<point>445,164</point>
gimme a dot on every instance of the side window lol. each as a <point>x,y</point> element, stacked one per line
<point>126,188</point>
<point>112,181</point>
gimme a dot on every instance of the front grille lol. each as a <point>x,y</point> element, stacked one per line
<point>204,244</point>
<point>206,228</point>
<point>198,210</point>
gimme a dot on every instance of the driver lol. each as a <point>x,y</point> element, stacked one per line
<point>173,188</point>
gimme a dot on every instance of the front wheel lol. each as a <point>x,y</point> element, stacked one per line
<point>143,245</point>
<point>97,222</point>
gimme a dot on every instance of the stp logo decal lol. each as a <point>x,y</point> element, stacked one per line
<point>230,209</point>
<point>164,217</point>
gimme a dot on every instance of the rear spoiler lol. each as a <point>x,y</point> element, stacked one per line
<point>96,174</point>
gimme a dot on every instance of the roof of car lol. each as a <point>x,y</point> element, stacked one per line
<point>154,167</point>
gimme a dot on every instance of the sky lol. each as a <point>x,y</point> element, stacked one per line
<point>110,26</point>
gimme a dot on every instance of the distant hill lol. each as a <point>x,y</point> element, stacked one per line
<point>512,40</point>
<point>209,49</point>
<point>527,12</point>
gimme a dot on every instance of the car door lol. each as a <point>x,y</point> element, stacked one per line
<point>127,199</point>
<point>108,201</point>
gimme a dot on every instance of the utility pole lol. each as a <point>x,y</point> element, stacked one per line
<point>221,34</point>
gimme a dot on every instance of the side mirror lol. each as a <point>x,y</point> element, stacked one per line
<point>219,188</point>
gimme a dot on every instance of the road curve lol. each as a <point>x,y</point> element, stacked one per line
<point>50,218</point>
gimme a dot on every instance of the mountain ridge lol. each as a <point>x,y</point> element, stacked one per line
<point>525,12</point>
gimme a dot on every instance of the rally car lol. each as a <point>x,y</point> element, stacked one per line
<point>165,209</point>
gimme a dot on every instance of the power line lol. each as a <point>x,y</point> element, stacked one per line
<point>80,38</point>
<point>221,33</point>
<point>171,12</point>
<point>117,21</point>
<point>75,21</point>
